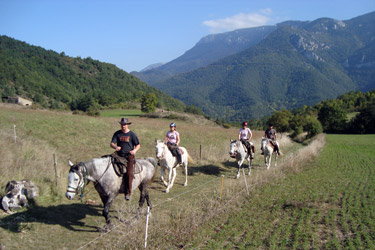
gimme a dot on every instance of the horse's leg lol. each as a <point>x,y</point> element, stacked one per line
<point>174,174</point>
<point>276,155</point>
<point>250,164</point>
<point>186,172</point>
<point>107,202</point>
<point>239,168</point>
<point>142,197</point>
<point>169,180</point>
<point>269,161</point>
<point>162,177</point>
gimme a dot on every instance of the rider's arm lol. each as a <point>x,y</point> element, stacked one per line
<point>178,139</point>
<point>136,148</point>
<point>114,146</point>
<point>251,135</point>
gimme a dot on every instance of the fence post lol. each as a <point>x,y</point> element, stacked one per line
<point>55,165</point>
<point>146,229</point>
<point>14,133</point>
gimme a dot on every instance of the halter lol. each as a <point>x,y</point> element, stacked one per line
<point>82,180</point>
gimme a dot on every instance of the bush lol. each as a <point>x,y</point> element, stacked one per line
<point>312,126</point>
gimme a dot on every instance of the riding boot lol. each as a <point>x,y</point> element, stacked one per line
<point>129,177</point>
<point>252,152</point>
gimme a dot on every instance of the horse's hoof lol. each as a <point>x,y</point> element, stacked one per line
<point>166,191</point>
<point>185,184</point>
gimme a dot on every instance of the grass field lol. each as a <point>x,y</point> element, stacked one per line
<point>121,113</point>
<point>272,216</point>
<point>328,205</point>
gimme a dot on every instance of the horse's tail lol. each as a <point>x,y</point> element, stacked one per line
<point>155,164</point>
<point>190,160</point>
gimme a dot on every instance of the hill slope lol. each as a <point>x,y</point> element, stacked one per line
<point>54,80</point>
<point>208,50</point>
<point>295,65</point>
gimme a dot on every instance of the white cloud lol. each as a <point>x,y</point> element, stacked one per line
<point>239,21</point>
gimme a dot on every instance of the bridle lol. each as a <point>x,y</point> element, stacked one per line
<point>235,149</point>
<point>82,179</point>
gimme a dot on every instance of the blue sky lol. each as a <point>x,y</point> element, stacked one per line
<point>133,34</point>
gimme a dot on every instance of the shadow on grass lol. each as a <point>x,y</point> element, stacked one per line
<point>205,169</point>
<point>67,215</point>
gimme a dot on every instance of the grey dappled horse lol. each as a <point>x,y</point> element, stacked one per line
<point>108,184</point>
<point>237,151</point>
<point>268,150</point>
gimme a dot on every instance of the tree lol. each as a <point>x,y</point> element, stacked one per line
<point>312,126</point>
<point>280,120</point>
<point>364,122</point>
<point>332,117</point>
<point>192,109</point>
<point>148,103</point>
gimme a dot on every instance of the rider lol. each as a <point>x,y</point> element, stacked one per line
<point>173,139</point>
<point>126,144</point>
<point>245,136</point>
<point>271,135</point>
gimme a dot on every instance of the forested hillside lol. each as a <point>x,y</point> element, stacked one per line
<point>57,81</point>
<point>300,63</point>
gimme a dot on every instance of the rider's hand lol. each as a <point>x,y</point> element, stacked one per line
<point>118,148</point>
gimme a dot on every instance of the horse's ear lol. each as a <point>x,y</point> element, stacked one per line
<point>156,140</point>
<point>70,163</point>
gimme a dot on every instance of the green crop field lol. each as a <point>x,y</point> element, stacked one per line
<point>312,199</point>
<point>328,205</point>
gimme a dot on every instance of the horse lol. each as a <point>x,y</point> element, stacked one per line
<point>268,150</point>
<point>107,183</point>
<point>237,151</point>
<point>168,162</point>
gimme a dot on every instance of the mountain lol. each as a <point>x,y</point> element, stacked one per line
<point>152,66</point>
<point>299,63</point>
<point>55,80</point>
<point>208,50</point>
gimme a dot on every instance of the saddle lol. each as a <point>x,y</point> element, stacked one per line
<point>120,163</point>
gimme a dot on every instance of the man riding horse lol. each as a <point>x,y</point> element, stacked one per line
<point>126,144</point>
<point>271,136</point>
<point>245,136</point>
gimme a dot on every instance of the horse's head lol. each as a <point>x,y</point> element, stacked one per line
<point>233,149</point>
<point>264,142</point>
<point>160,149</point>
<point>76,179</point>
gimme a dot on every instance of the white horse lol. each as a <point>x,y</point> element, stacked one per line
<point>268,150</point>
<point>237,151</point>
<point>168,162</point>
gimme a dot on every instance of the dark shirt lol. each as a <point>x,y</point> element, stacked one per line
<point>127,141</point>
<point>270,133</point>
